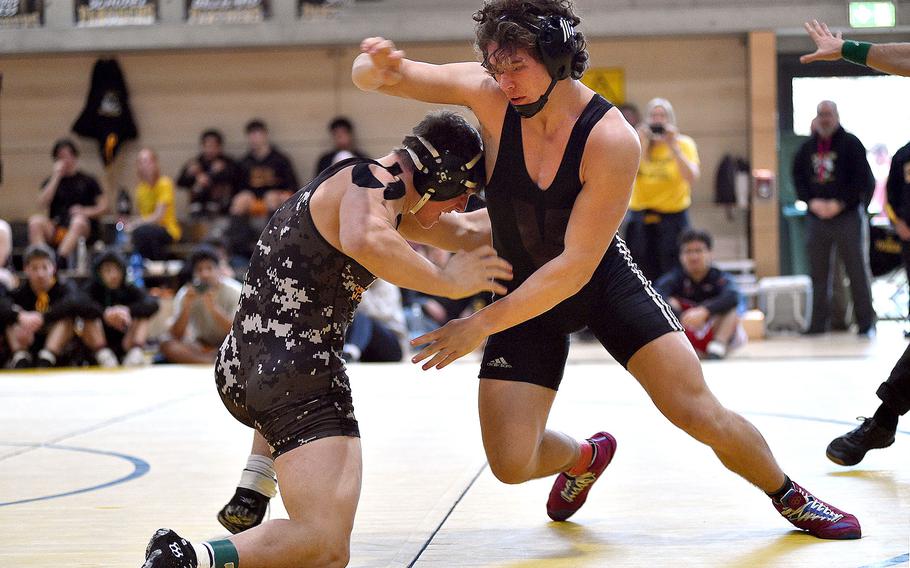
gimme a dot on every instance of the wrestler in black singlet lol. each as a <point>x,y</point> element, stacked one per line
<point>279,370</point>
<point>529,226</point>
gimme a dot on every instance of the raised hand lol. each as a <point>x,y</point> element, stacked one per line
<point>828,44</point>
<point>386,62</point>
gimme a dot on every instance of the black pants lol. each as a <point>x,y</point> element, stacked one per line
<point>652,239</point>
<point>895,392</point>
<point>848,235</point>
<point>151,241</point>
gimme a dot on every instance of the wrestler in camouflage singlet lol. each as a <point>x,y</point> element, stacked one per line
<point>279,369</point>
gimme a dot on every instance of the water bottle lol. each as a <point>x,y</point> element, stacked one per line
<point>134,270</point>
<point>124,203</point>
<point>81,258</point>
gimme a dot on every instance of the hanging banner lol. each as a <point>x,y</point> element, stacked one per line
<point>227,11</point>
<point>314,9</point>
<point>103,13</point>
<point>21,13</point>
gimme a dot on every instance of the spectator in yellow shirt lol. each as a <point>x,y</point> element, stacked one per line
<point>662,192</point>
<point>156,226</point>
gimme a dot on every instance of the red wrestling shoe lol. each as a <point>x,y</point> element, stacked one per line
<point>816,517</point>
<point>569,493</point>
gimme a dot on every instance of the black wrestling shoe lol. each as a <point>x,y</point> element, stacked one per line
<point>167,549</point>
<point>245,510</point>
<point>851,448</point>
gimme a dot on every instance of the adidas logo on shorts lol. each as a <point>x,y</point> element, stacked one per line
<point>499,362</point>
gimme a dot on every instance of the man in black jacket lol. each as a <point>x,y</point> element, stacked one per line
<point>833,177</point>
<point>704,297</point>
<point>119,328</point>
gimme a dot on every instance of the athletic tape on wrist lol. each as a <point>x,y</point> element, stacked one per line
<point>259,476</point>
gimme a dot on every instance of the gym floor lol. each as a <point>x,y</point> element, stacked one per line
<point>92,462</point>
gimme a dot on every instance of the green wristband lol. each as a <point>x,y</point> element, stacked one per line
<point>225,554</point>
<point>855,51</point>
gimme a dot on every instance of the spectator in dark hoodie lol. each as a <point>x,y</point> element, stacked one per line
<point>47,309</point>
<point>119,329</point>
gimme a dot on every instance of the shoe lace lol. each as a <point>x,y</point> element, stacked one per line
<point>576,485</point>
<point>812,509</point>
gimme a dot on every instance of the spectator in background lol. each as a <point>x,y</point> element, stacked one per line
<point>8,280</point>
<point>704,297</point>
<point>156,227</point>
<point>224,259</point>
<point>378,333</point>
<point>267,180</point>
<point>47,308</point>
<point>211,177</point>
<point>204,311</point>
<point>658,210</point>
<point>631,113</point>
<point>74,200</point>
<point>833,177</point>
<point>119,330</point>
<point>343,146</point>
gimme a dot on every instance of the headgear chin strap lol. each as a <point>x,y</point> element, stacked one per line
<point>558,46</point>
<point>440,176</point>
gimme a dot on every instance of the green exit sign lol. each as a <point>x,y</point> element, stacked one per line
<point>872,15</point>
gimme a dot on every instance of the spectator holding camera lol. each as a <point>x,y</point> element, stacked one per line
<point>204,311</point>
<point>658,210</point>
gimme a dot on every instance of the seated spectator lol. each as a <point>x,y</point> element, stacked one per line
<point>119,330</point>
<point>704,298</point>
<point>343,146</point>
<point>47,309</point>
<point>156,227</point>
<point>8,280</point>
<point>74,200</point>
<point>211,177</point>
<point>378,333</point>
<point>267,178</point>
<point>267,181</point>
<point>205,309</point>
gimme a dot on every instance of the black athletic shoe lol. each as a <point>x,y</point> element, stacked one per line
<point>167,549</point>
<point>245,510</point>
<point>850,448</point>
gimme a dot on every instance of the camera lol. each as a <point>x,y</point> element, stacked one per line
<point>657,129</point>
<point>200,286</point>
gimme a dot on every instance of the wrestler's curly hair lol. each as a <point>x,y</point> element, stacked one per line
<point>507,23</point>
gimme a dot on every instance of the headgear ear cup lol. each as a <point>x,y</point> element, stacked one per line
<point>441,176</point>
<point>557,45</point>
